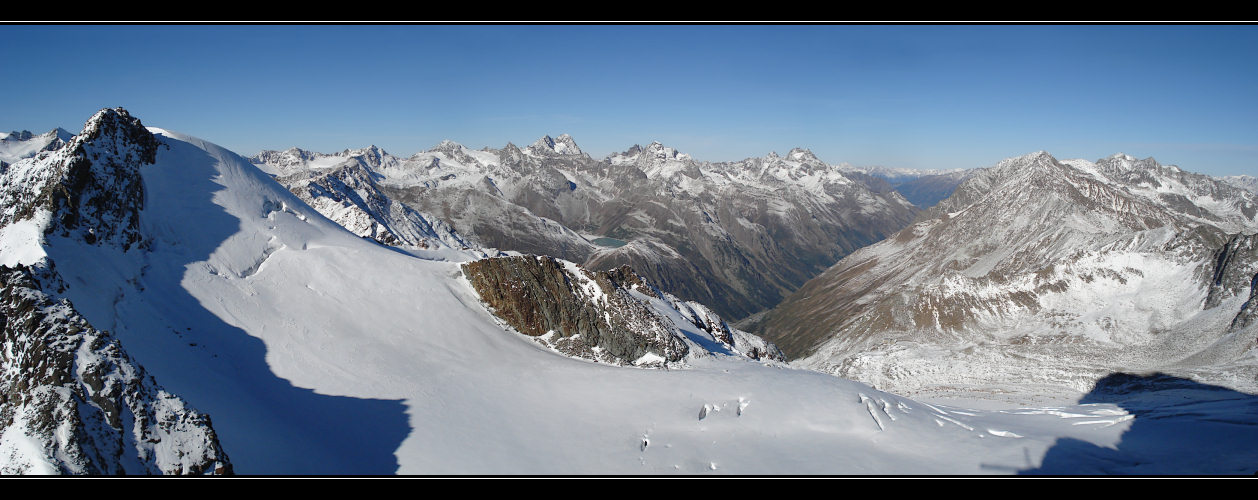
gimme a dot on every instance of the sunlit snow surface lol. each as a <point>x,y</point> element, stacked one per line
<point>315,351</point>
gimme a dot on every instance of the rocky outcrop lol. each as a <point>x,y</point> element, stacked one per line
<point>73,402</point>
<point>614,316</point>
<point>1235,265</point>
<point>582,314</point>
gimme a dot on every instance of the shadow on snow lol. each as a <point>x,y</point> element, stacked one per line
<point>265,424</point>
<point>1180,427</point>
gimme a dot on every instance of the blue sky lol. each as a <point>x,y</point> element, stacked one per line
<point>904,96</point>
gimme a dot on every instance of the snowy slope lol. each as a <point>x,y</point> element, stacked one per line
<point>316,351</point>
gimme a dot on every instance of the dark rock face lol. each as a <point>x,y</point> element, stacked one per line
<point>589,315</point>
<point>1236,273</point>
<point>73,402</point>
<point>1235,266</point>
<point>1248,314</point>
<point>91,186</point>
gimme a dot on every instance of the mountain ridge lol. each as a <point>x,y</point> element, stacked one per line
<point>1031,251</point>
<point>737,236</point>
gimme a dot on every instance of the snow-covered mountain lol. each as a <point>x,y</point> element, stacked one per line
<point>1043,272</point>
<point>15,145</point>
<point>1246,182</point>
<point>317,351</point>
<point>736,236</point>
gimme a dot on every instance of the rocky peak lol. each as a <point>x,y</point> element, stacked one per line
<point>447,146</point>
<point>510,155</point>
<point>563,145</point>
<point>91,186</point>
<point>453,151</point>
<point>803,155</point>
<point>289,157</point>
<point>566,145</point>
<point>659,152</point>
<point>1126,164</point>
<point>1036,159</point>
<point>102,191</point>
<point>373,154</point>
<point>24,135</point>
<point>62,134</point>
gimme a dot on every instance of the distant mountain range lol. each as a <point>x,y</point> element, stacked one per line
<point>736,236</point>
<point>1041,271</point>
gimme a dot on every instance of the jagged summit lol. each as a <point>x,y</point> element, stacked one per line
<point>90,188</point>
<point>562,145</point>
<point>446,146</point>
<point>24,135</point>
<point>372,151</point>
<point>802,154</point>
<point>659,151</point>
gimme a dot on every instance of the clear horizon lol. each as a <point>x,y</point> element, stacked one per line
<point>913,96</point>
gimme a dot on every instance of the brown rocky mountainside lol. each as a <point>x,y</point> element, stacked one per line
<point>1030,267</point>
